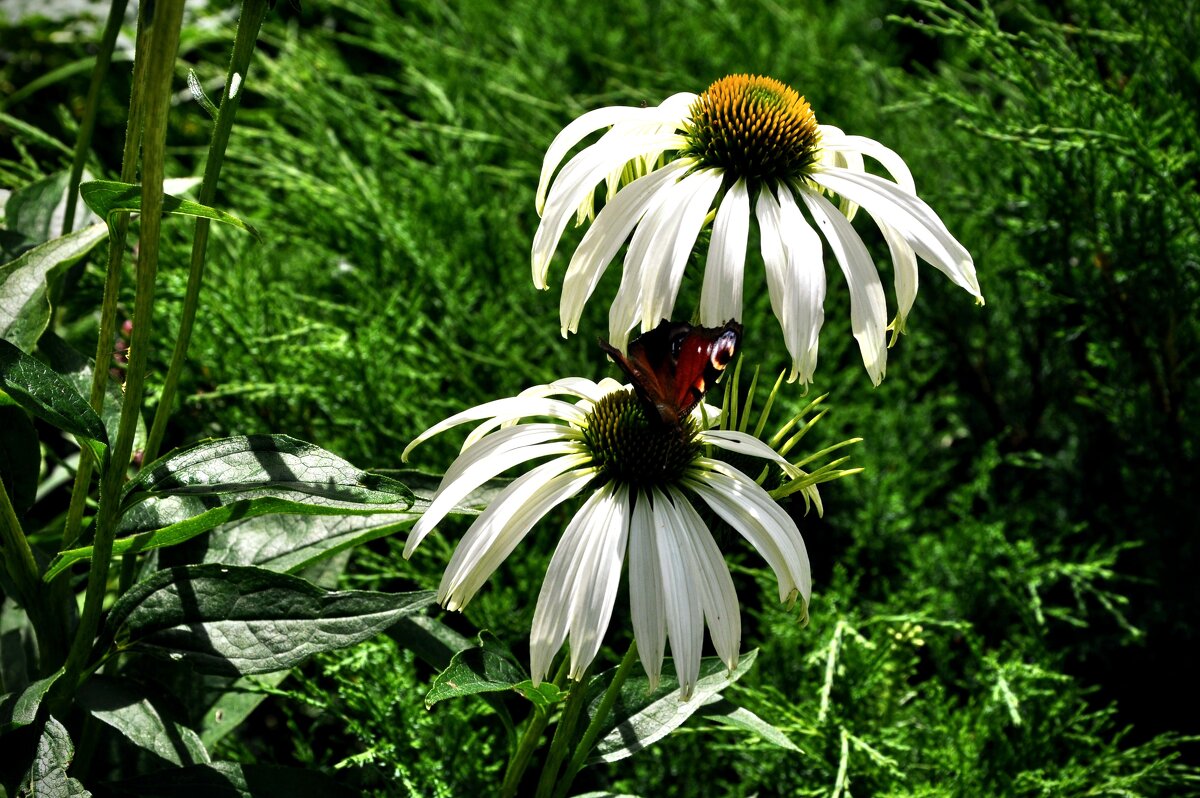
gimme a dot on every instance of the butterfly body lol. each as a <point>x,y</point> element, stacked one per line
<point>673,365</point>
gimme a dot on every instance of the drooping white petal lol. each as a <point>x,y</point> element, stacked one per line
<point>577,179</point>
<point>806,272</point>
<point>580,587</point>
<point>506,521</point>
<point>744,443</point>
<point>510,408</point>
<point>887,157</point>
<point>773,255</point>
<point>661,280</point>
<point>904,264</point>
<point>590,122</point>
<point>835,152</point>
<point>646,600</point>
<point>685,613</point>
<point>605,237</point>
<point>755,515</point>
<point>868,310</point>
<point>587,391</point>
<point>721,295</point>
<point>486,460</point>
<point>716,585</point>
<point>911,217</point>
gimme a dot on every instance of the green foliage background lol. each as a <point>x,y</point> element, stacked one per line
<point>1004,601</point>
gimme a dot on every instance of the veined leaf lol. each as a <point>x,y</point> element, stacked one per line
<point>726,713</point>
<point>33,386</point>
<point>109,197</point>
<point>47,774</point>
<point>488,668</point>
<point>24,296</point>
<point>142,719</point>
<point>232,620</point>
<point>20,709</point>
<point>231,780</point>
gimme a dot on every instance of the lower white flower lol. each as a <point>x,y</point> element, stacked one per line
<point>641,479</point>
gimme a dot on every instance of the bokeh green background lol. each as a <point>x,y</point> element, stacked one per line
<point>1004,601</point>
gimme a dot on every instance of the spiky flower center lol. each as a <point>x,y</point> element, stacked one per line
<point>753,127</point>
<point>628,447</point>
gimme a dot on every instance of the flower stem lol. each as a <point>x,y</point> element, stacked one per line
<point>164,19</point>
<point>253,13</point>
<point>562,737</point>
<point>602,712</point>
<point>116,14</point>
<point>529,740</point>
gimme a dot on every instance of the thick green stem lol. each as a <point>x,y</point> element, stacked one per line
<point>116,15</point>
<point>529,740</point>
<point>597,722</point>
<point>562,737</point>
<point>162,45</point>
<point>112,286</point>
<point>253,12</point>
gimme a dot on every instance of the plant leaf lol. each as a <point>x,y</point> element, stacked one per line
<point>20,709</point>
<point>24,296</point>
<point>18,647</point>
<point>231,780</point>
<point>109,197</point>
<point>232,620</point>
<point>545,695</point>
<point>33,386</point>
<point>641,717</point>
<point>488,668</point>
<point>726,713</point>
<point>37,211</point>
<point>20,455</point>
<point>143,720</point>
<point>47,774</point>
<point>429,639</point>
<point>234,703</point>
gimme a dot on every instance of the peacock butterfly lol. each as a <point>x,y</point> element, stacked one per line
<point>673,365</point>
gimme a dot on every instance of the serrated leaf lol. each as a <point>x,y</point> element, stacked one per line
<point>20,456</point>
<point>20,708</point>
<point>47,776</point>
<point>488,668</point>
<point>24,295</point>
<point>35,387</point>
<point>545,695</point>
<point>231,620</point>
<point>641,717</point>
<point>231,780</point>
<point>142,718</point>
<point>726,713</point>
<point>110,197</point>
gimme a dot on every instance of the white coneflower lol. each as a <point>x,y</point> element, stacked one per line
<point>640,478</point>
<point>747,141</point>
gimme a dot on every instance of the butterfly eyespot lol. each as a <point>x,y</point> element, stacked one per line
<point>723,350</point>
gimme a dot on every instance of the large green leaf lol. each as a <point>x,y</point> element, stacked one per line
<point>109,197</point>
<point>488,668</point>
<point>24,282</point>
<point>20,708</point>
<point>37,211</point>
<point>35,387</point>
<point>231,703</point>
<point>18,647</point>
<point>231,780</point>
<point>641,717</point>
<point>725,713</point>
<point>47,775</point>
<point>234,620</point>
<point>20,454</point>
<point>143,718</point>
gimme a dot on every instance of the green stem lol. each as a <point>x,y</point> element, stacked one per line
<point>18,557</point>
<point>116,14</point>
<point>529,740</point>
<point>598,720</point>
<point>253,13</point>
<point>163,43</point>
<point>562,737</point>
<point>112,286</point>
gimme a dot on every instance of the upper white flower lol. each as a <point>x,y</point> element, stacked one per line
<point>640,479</point>
<point>746,141</point>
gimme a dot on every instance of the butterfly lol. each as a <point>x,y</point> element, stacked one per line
<point>673,365</point>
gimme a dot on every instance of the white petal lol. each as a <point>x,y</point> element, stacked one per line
<point>506,521</point>
<point>573,185</point>
<point>744,443</point>
<point>605,237</point>
<point>646,600</point>
<point>890,160</point>
<point>806,292</point>
<point>904,264</point>
<point>716,585</point>
<point>595,586</point>
<point>586,390</point>
<point>868,310</point>
<point>757,517</point>
<point>511,408</point>
<point>911,217</point>
<point>589,123</point>
<point>721,296</point>
<point>661,284</point>
<point>573,569</point>
<point>685,612</point>
<point>773,255</point>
